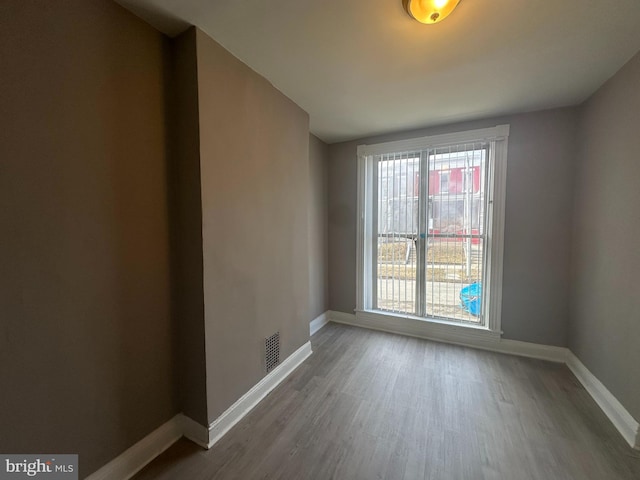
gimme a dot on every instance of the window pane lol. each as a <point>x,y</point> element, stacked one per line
<point>398,189</point>
<point>455,247</point>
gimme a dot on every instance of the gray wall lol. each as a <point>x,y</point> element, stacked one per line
<point>86,362</point>
<point>318,228</point>
<point>186,231</point>
<point>605,323</point>
<point>254,148</point>
<point>540,181</point>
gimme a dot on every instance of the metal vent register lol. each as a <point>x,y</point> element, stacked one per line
<point>272,351</point>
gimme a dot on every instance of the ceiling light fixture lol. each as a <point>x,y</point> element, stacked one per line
<point>429,11</point>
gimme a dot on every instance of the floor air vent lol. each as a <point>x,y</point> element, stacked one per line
<point>272,351</point>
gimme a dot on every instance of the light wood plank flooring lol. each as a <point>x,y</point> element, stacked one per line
<point>371,405</point>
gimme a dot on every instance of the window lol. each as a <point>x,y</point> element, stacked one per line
<point>431,214</point>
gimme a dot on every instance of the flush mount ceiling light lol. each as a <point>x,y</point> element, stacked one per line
<point>429,11</point>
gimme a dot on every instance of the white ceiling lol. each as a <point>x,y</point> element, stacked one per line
<point>363,67</point>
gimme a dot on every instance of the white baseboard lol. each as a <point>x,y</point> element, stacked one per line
<point>318,322</point>
<point>430,330</point>
<point>208,437</point>
<point>612,408</point>
<point>449,333</point>
<point>249,400</point>
<point>549,353</point>
<point>134,459</point>
<point>341,317</point>
<point>194,431</point>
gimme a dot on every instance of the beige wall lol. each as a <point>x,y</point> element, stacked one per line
<point>318,228</point>
<point>85,337</point>
<point>254,147</point>
<point>540,180</point>
<point>605,323</point>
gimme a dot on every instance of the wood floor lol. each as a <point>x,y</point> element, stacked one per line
<point>371,405</point>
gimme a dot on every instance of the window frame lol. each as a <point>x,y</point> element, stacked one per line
<point>365,286</point>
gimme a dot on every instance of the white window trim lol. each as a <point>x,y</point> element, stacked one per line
<point>498,136</point>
